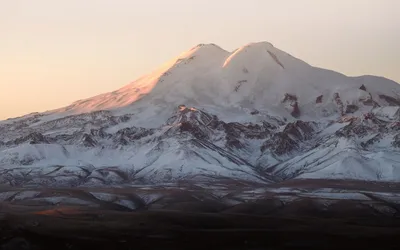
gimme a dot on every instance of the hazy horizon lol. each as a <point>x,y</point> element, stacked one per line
<point>54,53</point>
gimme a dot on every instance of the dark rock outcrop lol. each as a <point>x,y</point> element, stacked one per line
<point>88,141</point>
<point>289,97</point>
<point>254,112</point>
<point>280,144</point>
<point>275,59</point>
<point>369,101</point>
<point>319,99</point>
<point>33,138</point>
<point>339,103</point>
<point>390,100</point>
<point>290,138</point>
<point>354,128</point>
<point>235,132</point>
<point>351,108</point>
<point>296,110</point>
<point>132,134</point>
<point>194,130</point>
<point>371,141</point>
<point>396,141</point>
<point>300,130</point>
<point>99,133</point>
<point>292,101</point>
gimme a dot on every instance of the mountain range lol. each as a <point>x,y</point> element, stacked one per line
<point>255,114</point>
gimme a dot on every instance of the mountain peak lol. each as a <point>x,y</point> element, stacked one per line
<point>255,76</point>
<point>204,50</point>
<point>256,54</point>
<point>262,44</point>
<point>206,45</point>
<point>248,115</point>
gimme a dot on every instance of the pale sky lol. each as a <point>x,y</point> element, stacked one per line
<point>54,52</point>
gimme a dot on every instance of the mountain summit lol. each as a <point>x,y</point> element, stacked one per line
<point>256,114</point>
<point>255,76</point>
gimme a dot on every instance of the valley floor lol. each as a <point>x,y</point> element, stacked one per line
<point>298,214</point>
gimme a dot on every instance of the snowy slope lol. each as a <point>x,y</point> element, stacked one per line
<point>256,114</point>
<point>255,76</point>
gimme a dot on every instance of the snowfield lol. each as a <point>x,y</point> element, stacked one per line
<point>256,114</point>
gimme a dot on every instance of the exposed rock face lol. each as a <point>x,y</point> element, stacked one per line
<point>33,138</point>
<point>235,132</point>
<point>198,145</point>
<point>396,141</point>
<point>292,105</point>
<point>192,115</point>
<point>255,112</point>
<point>372,141</point>
<point>241,115</point>
<point>296,110</point>
<point>390,100</point>
<point>355,128</point>
<point>130,135</point>
<point>369,101</point>
<point>319,99</point>
<point>300,130</point>
<point>290,138</point>
<point>275,59</point>
<point>192,129</point>
<point>280,144</point>
<point>339,103</point>
<point>99,133</point>
<point>88,141</point>
<point>351,108</point>
<point>289,97</point>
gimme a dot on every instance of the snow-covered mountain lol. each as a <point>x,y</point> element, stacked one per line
<point>256,114</point>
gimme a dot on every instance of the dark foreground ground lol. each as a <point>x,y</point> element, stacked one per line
<point>291,216</point>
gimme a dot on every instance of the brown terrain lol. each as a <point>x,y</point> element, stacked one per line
<point>296,214</point>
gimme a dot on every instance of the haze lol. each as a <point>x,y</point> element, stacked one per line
<point>56,52</point>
